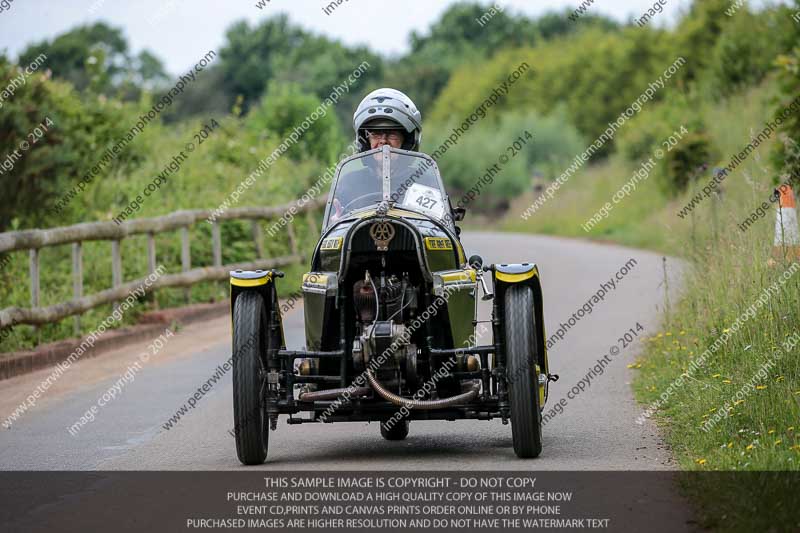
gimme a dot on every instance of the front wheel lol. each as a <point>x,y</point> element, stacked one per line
<point>249,330</point>
<point>523,383</point>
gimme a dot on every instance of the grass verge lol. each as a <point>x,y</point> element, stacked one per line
<point>737,406</point>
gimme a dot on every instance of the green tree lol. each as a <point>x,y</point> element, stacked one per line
<point>283,111</point>
<point>746,50</point>
<point>149,70</point>
<point>697,34</point>
<point>280,52</point>
<point>458,38</point>
<point>96,57</point>
<point>249,55</point>
<point>595,75</point>
<point>320,65</point>
<point>786,155</point>
<point>555,24</point>
<point>75,133</point>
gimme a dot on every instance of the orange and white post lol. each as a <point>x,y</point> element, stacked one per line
<point>787,233</point>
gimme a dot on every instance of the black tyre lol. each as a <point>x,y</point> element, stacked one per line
<point>523,383</point>
<point>249,333</point>
<point>398,431</point>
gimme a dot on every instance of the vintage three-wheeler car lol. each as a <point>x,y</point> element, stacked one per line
<point>391,313</point>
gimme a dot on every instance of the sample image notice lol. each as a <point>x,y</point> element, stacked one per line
<point>422,265</point>
<point>401,502</point>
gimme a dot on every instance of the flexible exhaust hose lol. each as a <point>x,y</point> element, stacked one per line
<point>422,404</point>
<point>332,394</point>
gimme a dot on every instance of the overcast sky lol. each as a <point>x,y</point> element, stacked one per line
<point>181,31</point>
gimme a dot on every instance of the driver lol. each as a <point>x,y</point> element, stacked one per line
<point>384,117</point>
<point>387,116</point>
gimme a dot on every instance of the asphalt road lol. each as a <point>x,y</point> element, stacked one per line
<point>596,431</point>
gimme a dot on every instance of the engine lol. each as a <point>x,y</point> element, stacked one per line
<point>383,307</point>
<point>373,305</point>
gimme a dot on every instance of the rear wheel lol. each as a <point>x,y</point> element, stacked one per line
<point>249,331</point>
<point>398,431</point>
<point>523,383</point>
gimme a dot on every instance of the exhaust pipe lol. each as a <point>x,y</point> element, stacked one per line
<point>423,404</point>
<point>332,394</point>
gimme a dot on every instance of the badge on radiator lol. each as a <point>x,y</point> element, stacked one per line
<point>382,234</point>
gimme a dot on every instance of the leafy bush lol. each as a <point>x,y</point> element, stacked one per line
<point>595,74</point>
<point>786,155</point>
<point>482,146</point>
<point>283,111</point>
<point>696,35</point>
<point>645,133</point>
<point>746,49</point>
<point>80,132</point>
<point>683,163</point>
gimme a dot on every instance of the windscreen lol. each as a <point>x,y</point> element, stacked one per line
<point>414,184</point>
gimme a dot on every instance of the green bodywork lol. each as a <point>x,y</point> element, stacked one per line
<point>443,260</point>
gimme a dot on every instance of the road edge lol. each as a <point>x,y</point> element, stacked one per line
<point>152,323</point>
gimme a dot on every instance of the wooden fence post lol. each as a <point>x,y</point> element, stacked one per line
<point>34,271</point>
<point>77,281</point>
<point>216,244</point>
<point>186,259</point>
<point>258,238</point>
<point>151,262</point>
<point>292,238</point>
<point>312,224</point>
<point>116,267</point>
<point>216,249</point>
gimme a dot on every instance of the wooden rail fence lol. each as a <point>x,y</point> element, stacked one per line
<point>35,240</point>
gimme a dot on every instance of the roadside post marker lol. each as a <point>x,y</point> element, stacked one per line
<point>787,234</point>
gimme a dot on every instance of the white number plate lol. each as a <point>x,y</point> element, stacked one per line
<point>425,199</point>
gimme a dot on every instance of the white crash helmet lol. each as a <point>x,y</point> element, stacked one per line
<point>384,109</point>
